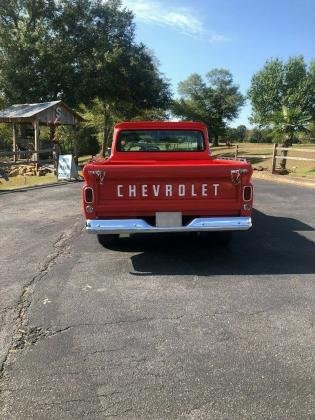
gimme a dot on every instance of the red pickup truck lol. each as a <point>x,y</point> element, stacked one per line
<point>160,177</point>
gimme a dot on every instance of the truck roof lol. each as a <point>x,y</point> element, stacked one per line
<point>162,125</point>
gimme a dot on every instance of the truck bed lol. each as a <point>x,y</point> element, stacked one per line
<point>138,188</point>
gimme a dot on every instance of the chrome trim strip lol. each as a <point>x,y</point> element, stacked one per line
<point>141,226</point>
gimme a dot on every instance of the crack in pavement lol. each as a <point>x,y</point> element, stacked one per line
<point>22,334</point>
<point>34,334</point>
<point>31,335</point>
<point>110,405</point>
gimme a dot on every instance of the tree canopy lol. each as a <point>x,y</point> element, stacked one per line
<point>236,134</point>
<point>77,50</point>
<point>214,101</point>
<point>85,53</point>
<point>282,95</point>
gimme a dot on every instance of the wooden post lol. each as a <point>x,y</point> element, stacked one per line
<point>36,142</point>
<point>14,143</point>
<point>52,131</point>
<point>283,162</point>
<point>236,151</point>
<point>274,160</point>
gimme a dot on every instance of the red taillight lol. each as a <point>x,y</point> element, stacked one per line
<point>88,195</point>
<point>247,193</point>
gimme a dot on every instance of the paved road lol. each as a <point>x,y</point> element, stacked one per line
<point>156,328</point>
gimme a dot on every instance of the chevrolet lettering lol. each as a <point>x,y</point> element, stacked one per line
<point>167,190</point>
<point>161,177</point>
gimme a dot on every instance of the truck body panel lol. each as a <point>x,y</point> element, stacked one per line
<point>140,184</point>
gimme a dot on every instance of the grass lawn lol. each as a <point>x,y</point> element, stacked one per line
<point>296,167</point>
<point>21,181</point>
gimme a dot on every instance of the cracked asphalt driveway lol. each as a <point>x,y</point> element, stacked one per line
<point>157,327</point>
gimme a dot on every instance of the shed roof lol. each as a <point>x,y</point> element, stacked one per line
<point>40,111</point>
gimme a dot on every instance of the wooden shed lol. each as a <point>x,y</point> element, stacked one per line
<point>50,114</point>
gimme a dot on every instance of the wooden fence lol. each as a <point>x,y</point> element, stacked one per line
<point>26,157</point>
<point>277,152</point>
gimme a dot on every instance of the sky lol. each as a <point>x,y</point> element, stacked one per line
<point>240,35</point>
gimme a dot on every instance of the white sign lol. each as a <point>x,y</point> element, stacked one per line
<point>67,168</point>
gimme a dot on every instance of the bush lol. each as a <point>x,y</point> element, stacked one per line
<point>258,135</point>
<point>86,137</point>
<point>6,142</point>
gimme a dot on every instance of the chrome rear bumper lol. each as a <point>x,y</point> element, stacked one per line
<point>129,226</point>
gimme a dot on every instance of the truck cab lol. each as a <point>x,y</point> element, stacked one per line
<point>161,177</point>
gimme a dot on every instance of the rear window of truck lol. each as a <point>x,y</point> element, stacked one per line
<point>160,141</point>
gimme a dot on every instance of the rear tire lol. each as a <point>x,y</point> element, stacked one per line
<point>107,239</point>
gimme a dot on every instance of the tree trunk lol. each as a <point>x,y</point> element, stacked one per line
<point>287,143</point>
<point>75,144</point>
<point>105,134</point>
<point>215,141</point>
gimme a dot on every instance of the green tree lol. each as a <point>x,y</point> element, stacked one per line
<point>5,137</point>
<point>283,98</point>
<point>256,136</point>
<point>282,84</point>
<point>259,135</point>
<point>214,101</point>
<point>101,115</point>
<point>24,30</point>
<point>99,109</point>
<point>282,95</point>
<point>241,132</point>
<point>237,134</point>
<point>78,50</point>
<point>230,135</point>
<point>312,132</point>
